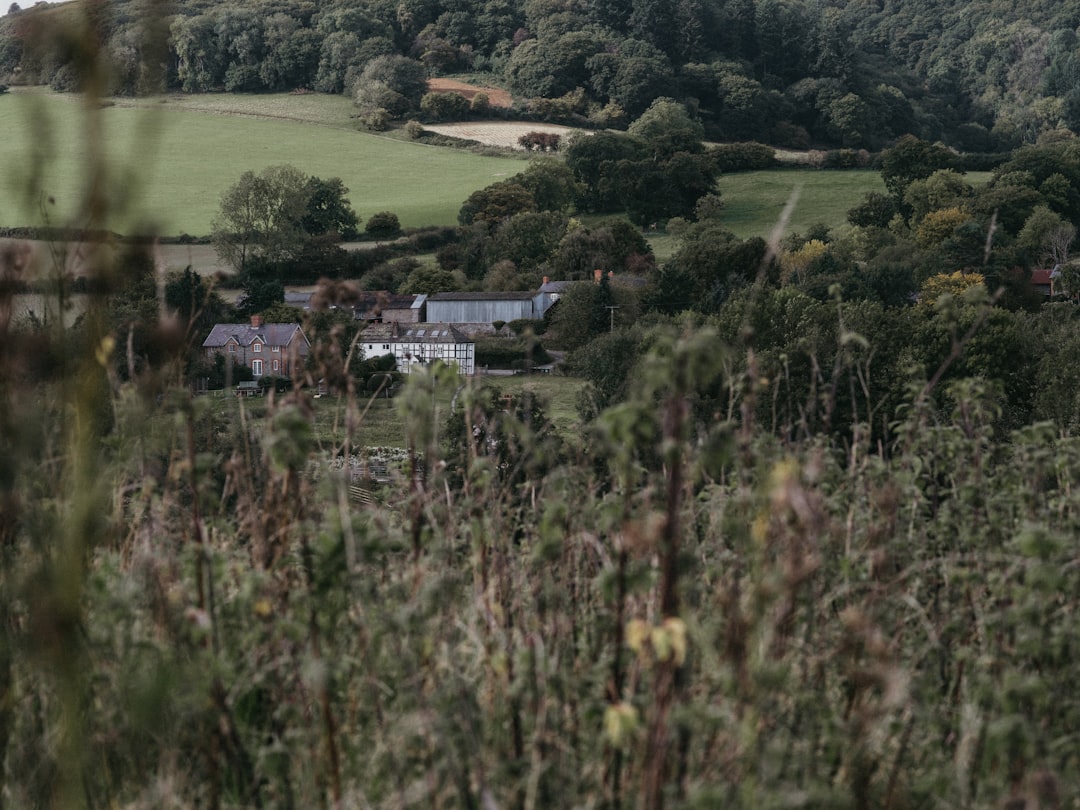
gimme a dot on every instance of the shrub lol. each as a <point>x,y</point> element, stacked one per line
<point>377,119</point>
<point>382,225</point>
<point>521,325</point>
<point>742,157</point>
<point>480,104</point>
<point>444,106</point>
<point>847,159</point>
<point>540,141</point>
<point>498,352</point>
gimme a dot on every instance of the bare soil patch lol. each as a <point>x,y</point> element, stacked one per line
<point>497,133</point>
<point>497,97</point>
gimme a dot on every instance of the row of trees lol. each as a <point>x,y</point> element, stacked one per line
<point>931,222</point>
<point>781,71</point>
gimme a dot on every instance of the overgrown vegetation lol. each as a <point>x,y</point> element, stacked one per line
<point>802,551</point>
<point>207,612</point>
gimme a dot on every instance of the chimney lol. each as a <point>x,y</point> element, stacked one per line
<point>546,279</point>
<point>256,321</point>
<point>610,274</point>
<point>597,273</point>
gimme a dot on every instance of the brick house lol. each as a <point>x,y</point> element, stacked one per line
<point>268,349</point>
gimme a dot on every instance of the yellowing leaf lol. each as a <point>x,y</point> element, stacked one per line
<point>104,350</point>
<point>636,633</point>
<point>676,633</point>
<point>620,720</point>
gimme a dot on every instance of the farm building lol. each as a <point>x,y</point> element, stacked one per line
<point>275,349</point>
<point>387,306</point>
<point>420,344</point>
<point>484,307</point>
<point>1047,280</point>
<point>550,292</point>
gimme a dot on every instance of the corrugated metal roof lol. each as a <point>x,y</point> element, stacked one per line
<point>481,296</point>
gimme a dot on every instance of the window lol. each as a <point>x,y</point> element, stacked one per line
<point>277,364</point>
<point>232,348</point>
<point>257,347</point>
<point>275,349</point>
<point>256,367</point>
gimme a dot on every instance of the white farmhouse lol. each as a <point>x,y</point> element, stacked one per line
<point>414,344</point>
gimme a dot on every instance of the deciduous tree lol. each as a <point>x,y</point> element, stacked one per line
<point>261,216</point>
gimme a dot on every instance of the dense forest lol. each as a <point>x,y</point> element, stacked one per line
<point>979,76</point>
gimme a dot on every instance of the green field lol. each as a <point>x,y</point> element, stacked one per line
<point>172,157</point>
<point>171,160</point>
<point>754,201</point>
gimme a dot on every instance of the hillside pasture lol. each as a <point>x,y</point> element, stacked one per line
<point>754,202</point>
<point>176,154</point>
<point>174,159</point>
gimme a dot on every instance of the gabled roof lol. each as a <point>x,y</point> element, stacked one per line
<point>429,333</point>
<point>1043,276</point>
<point>414,333</point>
<point>554,286</point>
<point>270,334</point>
<point>378,331</point>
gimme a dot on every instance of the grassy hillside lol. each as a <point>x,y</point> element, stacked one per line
<point>180,152</point>
<point>184,158</point>
<point>754,201</point>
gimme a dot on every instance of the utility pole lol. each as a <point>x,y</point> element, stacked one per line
<point>611,308</point>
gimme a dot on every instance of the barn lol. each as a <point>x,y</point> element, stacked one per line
<point>482,307</point>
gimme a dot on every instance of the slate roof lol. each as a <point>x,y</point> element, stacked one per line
<point>414,333</point>
<point>430,333</point>
<point>554,286</point>
<point>298,299</point>
<point>271,334</point>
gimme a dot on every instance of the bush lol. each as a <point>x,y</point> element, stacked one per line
<point>846,159</point>
<point>480,104</point>
<point>540,141</point>
<point>496,352</point>
<point>428,239</point>
<point>742,157</point>
<point>376,120</point>
<point>519,326</point>
<point>414,129</point>
<point>444,106</point>
<point>383,225</point>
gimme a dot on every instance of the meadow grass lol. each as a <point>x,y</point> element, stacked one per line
<point>172,161</point>
<point>754,201</point>
<point>382,424</point>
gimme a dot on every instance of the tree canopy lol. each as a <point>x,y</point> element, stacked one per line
<point>978,76</point>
